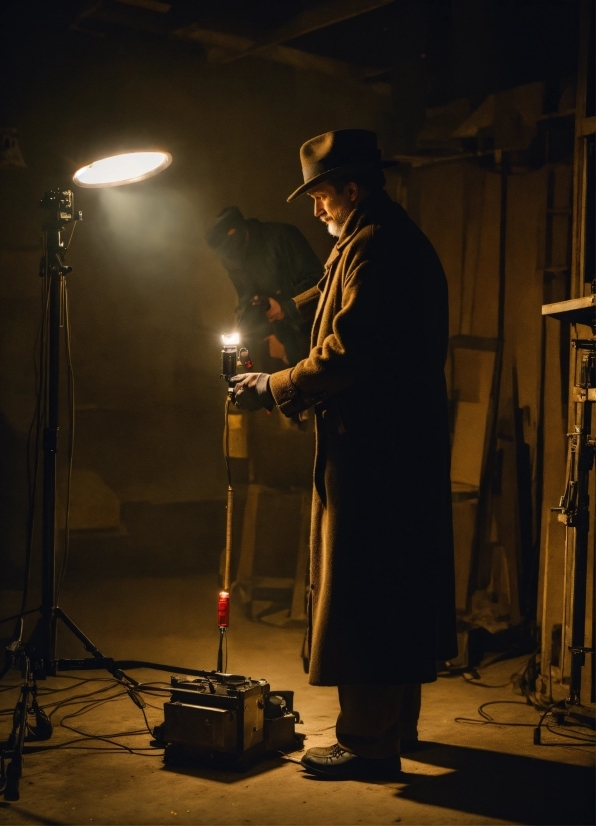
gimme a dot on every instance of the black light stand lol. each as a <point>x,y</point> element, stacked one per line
<point>36,657</point>
<point>574,508</point>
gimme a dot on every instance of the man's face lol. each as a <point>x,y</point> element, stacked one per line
<point>333,207</point>
<point>234,246</point>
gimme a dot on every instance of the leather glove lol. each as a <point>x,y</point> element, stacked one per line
<point>251,391</point>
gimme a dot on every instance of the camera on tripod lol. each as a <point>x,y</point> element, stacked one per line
<point>61,205</point>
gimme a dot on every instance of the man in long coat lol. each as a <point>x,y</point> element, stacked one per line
<point>382,609</point>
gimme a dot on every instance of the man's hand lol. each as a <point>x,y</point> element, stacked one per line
<point>273,312</point>
<point>251,391</point>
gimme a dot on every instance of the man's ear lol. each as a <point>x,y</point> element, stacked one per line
<point>353,190</point>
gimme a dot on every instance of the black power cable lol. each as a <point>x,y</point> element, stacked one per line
<point>526,683</point>
<point>487,719</point>
<point>92,700</point>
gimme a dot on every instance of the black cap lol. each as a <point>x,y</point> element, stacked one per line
<point>230,224</point>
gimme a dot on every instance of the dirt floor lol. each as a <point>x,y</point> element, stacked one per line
<point>467,772</point>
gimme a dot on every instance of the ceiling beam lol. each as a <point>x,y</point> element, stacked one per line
<point>222,47</point>
<point>318,17</point>
<point>151,5</point>
<point>130,15</point>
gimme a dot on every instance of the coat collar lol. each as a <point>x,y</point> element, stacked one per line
<point>333,255</point>
<point>365,213</point>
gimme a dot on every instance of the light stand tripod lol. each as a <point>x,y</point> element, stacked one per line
<point>574,508</point>
<point>36,657</point>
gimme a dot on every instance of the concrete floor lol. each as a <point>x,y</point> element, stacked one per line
<point>467,774</point>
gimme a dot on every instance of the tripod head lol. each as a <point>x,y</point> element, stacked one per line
<point>60,206</point>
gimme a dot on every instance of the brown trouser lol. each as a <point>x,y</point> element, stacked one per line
<point>374,718</point>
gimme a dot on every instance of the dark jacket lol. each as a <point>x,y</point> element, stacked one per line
<point>382,602</point>
<point>277,262</point>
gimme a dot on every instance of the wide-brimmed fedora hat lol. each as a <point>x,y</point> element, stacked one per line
<point>338,153</point>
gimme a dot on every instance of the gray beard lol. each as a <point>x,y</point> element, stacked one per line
<point>335,227</point>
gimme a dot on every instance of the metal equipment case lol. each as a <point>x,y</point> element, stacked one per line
<point>225,719</point>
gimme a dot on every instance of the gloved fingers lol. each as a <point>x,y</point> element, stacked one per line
<point>247,400</point>
<point>244,393</point>
<point>250,391</point>
<point>239,377</point>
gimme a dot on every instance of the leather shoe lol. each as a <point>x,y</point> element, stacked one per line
<point>337,763</point>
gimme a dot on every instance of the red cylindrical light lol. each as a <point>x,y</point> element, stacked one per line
<point>223,609</point>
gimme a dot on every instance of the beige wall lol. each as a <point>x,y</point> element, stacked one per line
<point>148,300</point>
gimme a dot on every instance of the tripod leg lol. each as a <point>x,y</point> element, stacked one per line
<point>43,728</point>
<point>13,776</point>
<point>92,649</point>
<point>88,645</point>
<point>17,739</point>
<point>129,683</point>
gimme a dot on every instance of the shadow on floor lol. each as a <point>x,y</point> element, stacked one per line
<point>223,775</point>
<point>506,787</point>
<point>30,817</point>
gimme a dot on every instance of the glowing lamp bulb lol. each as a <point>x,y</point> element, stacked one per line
<point>122,169</point>
<point>231,339</point>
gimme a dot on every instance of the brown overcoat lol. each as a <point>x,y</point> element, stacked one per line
<point>382,582</point>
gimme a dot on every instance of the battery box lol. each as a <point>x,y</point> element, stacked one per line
<point>225,719</point>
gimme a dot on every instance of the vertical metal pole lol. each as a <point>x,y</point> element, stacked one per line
<point>502,247</point>
<point>582,415</point>
<point>222,634</point>
<point>50,446</point>
<point>229,537</point>
<point>580,567</point>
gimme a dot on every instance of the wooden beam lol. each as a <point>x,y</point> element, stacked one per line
<point>318,17</point>
<point>314,62</point>
<point>221,47</point>
<point>130,15</point>
<point>150,5</point>
<point>216,44</point>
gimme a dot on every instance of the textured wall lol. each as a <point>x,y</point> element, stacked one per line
<point>148,300</point>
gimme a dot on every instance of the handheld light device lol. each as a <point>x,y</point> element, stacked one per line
<point>234,359</point>
<point>229,355</point>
